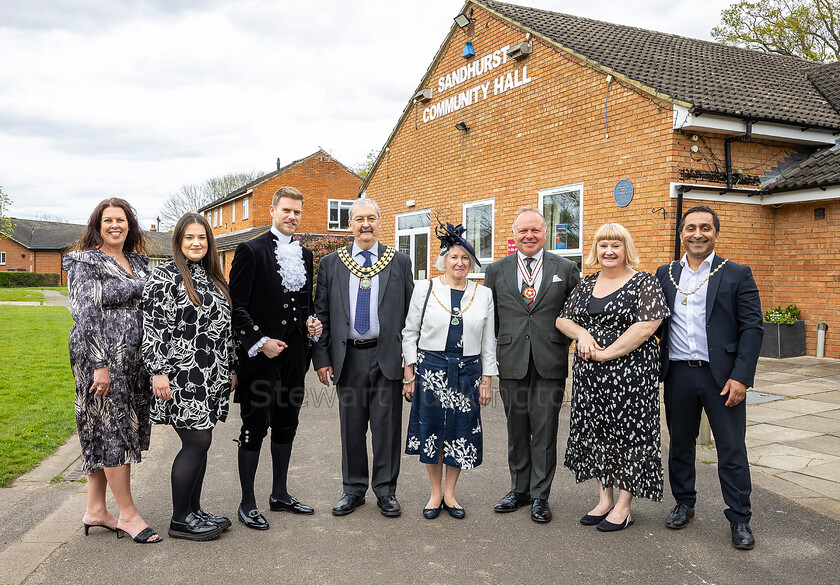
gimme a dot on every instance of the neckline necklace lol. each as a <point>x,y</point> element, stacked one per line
<point>705,280</point>
<point>456,313</point>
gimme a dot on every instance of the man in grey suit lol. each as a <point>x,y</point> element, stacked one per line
<point>530,288</point>
<point>362,298</point>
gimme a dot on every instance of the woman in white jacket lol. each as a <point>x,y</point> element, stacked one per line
<point>450,353</point>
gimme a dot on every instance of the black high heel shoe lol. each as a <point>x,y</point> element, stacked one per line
<point>89,526</point>
<point>458,513</point>
<point>141,537</point>
<point>432,513</point>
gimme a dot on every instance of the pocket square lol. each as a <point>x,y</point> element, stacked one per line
<point>556,278</point>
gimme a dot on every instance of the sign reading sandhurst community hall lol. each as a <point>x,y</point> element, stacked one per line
<point>476,68</point>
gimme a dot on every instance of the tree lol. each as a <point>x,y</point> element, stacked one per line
<point>363,168</point>
<point>809,29</point>
<point>6,225</point>
<point>189,198</point>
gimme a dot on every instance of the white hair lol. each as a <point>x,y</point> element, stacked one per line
<point>440,263</point>
<point>365,203</point>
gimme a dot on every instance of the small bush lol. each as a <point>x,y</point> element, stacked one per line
<point>30,279</point>
<point>786,316</point>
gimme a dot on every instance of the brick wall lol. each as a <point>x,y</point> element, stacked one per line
<point>17,257</point>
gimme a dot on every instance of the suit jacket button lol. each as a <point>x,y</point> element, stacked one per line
<point>294,308</point>
<point>283,322</point>
<point>285,305</point>
<point>242,332</point>
<point>285,290</point>
<point>255,328</point>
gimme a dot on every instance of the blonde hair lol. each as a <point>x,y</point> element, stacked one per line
<point>614,231</point>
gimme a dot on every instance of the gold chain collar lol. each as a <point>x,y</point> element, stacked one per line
<point>370,271</point>
<point>705,280</point>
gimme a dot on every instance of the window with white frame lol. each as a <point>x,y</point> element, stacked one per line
<point>478,221</point>
<point>2,258</point>
<point>233,212</point>
<point>216,217</point>
<point>412,238</point>
<point>221,210</point>
<point>245,207</point>
<point>209,215</point>
<point>563,211</point>
<point>338,214</point>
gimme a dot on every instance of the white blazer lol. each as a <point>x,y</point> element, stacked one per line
<point>479,326</point>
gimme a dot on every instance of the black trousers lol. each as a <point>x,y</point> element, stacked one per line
<point>687,391</point>
<point>366,396</point>
<point>532,408</point>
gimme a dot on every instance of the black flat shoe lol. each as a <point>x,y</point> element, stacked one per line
<point>742,536</point>
<point>222,521</point>
<point>511,502</point>
<point>347,504</point>
<point>293,506</point>
<point>607,526</point>
<point>458,513</point>
<point>389,506</point>
<point>194,528</point>
<point>253,519</point>
<point>540,511</point>
<point>591,520</point>
<point>89,526</point>
<point>432,513</point>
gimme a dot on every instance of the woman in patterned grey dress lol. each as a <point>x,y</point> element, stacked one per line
<point>105,281</point>
<point>614,427</point>
<point>188,348</point>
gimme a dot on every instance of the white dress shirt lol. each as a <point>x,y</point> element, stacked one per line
<point>687,334</point>
<point>522,257</point>
<point>353,287</point>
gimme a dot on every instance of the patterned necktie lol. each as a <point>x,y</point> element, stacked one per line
<point>525,286</point>
<point>362,321</point>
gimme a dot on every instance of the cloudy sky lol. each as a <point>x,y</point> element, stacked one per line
<point>135,98</point>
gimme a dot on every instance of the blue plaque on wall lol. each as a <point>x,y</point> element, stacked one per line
<point>623,193</point>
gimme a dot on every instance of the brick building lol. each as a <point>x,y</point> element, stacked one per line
<point>37,246</point>
<point>594,122</point>
<point>328,187</point>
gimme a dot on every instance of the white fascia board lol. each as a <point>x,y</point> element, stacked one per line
<point>712,193</point>
<point>688,122</point>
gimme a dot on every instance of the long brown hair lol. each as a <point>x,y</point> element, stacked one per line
<point>91,238</point>
<point>210,262</point>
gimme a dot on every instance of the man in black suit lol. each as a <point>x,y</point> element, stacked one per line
<point>271,290</point>
<point>362,298</point>
<point>709,352</point>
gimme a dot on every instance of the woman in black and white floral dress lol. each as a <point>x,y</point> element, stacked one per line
<point>614,431</point>
<point>188,347</point>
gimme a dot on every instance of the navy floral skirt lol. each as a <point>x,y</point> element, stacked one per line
<point>445,412</point>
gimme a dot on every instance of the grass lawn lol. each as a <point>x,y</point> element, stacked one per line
<point>28,294</point>
<point>36,386</point>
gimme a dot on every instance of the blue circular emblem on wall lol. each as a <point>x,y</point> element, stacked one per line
<point>623,193</point>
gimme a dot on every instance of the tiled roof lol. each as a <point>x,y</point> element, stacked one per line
<point>711,77</point>
<point>230,240</point>
<point>244,188</point>
<point>820,170</point>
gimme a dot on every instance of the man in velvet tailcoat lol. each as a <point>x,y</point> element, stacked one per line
<point>271,290</point>
<point>709,352</point>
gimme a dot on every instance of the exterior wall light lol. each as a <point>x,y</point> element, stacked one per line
<point>520,51</point>
<point>462,20</point>
<point>424,95</point>
<point>462,126</point>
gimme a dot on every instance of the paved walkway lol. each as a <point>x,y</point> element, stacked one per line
<point>52,298</point>
<point>794,444</point>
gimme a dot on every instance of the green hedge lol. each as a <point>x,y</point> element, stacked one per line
<point>30,279</point>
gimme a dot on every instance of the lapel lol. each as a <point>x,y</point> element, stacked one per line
<point>670,290</point>
<point>548,269</point>
<point>344,283</point>
<point>384,275</point>
<point>713,285</point>
<point>511,277</point>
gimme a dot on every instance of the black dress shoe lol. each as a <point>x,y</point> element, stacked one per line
<point>293,506</point>
<point>511,502</point>
<point>253,519</point>
<point>222,521</point>
<point>347,504</point>
<point>679,516</point>
<point>742,536</point>
<point>540,512</point>
<point>432,513</point>
<point>389,506</point>
<point>194,528</point>
<point>607,526</point>
<point>593,520</point>
<point>458,513</point>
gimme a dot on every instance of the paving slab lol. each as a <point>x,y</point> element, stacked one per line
<point>777,434</point>
<point>822,443</point>
<point>800,406</point>
<point>787,458</point>
<point>819,485</point>
<point>798,387</point>
<point>759,414</point>
<point>768,479</point>
<point>823,505</point>
<point>810,422</point>
<point>832,414</point>
<point>829,470</point>
<point>832,397</point>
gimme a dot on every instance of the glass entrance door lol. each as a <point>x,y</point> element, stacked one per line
<point>412,231</point>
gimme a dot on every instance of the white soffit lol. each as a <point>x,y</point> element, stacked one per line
<point>712,193</point>
<point>717,124</point>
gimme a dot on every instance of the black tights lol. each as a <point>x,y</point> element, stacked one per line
<point>188,471</point>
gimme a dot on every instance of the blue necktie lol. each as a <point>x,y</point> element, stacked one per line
<point>362,322</point>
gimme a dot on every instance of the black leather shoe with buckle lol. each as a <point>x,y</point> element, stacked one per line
<point>253,519</point>
<point>293,506</point>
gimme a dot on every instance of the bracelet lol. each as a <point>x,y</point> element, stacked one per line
<point>409,381</point>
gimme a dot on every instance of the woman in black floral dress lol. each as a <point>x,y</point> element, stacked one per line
<point>614,429</point>
<point>105,283</point>
<point>188,348</point>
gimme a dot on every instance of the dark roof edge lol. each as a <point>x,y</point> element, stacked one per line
<point>701,111</point>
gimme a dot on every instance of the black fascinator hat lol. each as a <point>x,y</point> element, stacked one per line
<point>450,235</point>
